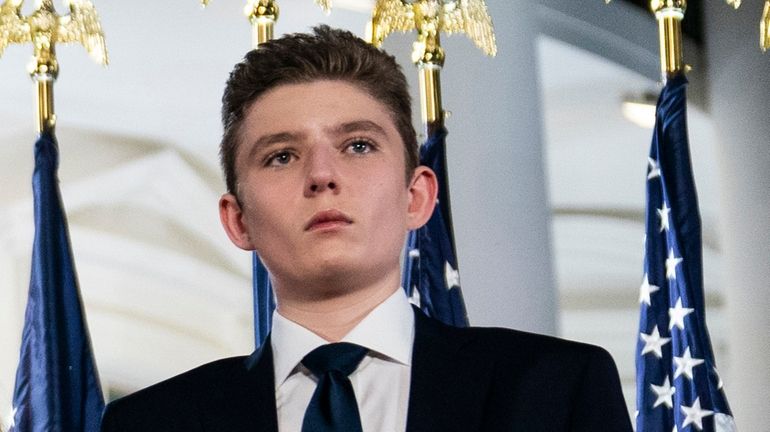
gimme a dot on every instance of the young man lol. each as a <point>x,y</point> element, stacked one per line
<point>320,160</point>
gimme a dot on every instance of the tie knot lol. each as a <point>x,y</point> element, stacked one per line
<point>342,357</point>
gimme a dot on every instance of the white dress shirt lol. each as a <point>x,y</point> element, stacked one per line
<point>381,381</point>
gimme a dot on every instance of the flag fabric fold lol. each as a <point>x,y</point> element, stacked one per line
<point>678,387</point>
<point>264,302</point>
<point>57,385</point>
<point>430,274</point>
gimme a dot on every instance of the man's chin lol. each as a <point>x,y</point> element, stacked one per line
<point>338,273</point>
<point>336,277</point>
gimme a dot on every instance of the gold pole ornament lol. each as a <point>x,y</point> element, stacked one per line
<point>669,14</point>
<point>44,29</point>
<point>431,18</point>
<point>764,28</point>
<point>263,14</point>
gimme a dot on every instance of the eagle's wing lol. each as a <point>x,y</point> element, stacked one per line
<point>13,28</point>
<point>472,18</point>
<point>389,16</point>
<point>326,5</point>
<point>82,25</point>
<point>764,28</point>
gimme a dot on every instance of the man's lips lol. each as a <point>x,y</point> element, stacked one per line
<point>326,219</point>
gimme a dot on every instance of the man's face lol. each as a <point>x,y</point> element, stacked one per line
<point>323,198</point>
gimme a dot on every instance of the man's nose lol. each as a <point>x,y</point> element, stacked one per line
<point>321,172</point>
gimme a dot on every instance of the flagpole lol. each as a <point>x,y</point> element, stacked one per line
<point>428,56</point>
<point>44,73</point>
<point>263,14</point>
<point>44,28</point>
<point>669,14</point>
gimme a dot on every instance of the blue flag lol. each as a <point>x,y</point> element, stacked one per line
<point>264,303</point>
<point>430,275</point>
<point>678,387</point>
<point>57,385</point>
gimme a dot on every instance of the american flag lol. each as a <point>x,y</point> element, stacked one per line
<point>430,275</point>
<point>57,385</point>
<point>678,386</point>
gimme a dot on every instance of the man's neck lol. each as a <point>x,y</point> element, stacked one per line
<point>333,317</point>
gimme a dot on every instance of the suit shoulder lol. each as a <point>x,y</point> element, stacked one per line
<point>533,382</point>
<point>508,343</point>
<point>179,394</point>
<point>580,378</point>
<point>200,376</point>
<point>502,340</point>
<point>517,338</point>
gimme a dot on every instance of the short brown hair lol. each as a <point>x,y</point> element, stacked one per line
<point>327,54</point>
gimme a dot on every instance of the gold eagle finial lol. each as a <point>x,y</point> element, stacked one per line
<point>434,16</point>
<point>44,28</point>
<point>13,27</point>
<point>326,5</point>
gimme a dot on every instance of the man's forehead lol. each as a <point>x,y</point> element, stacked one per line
<point>315,88</point>
<point>331,106</point>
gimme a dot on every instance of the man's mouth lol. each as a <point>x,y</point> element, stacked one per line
<point>328,219</point>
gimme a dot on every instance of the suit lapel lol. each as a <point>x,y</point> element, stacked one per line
<point>247,401</point>
<point>449,383</point>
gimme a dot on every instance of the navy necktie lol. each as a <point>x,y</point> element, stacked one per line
<point>333,405</point>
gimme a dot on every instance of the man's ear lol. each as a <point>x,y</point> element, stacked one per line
<point>231,216</point>
<point>423,190</point>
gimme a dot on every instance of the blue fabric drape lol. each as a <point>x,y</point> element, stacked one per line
<point>264,303</point>
<point>430,273</point>
<point>57,384</point>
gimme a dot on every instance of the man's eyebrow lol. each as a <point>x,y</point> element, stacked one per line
<point>343,128</point>
<point>359,126</point>
<point>267,140</point>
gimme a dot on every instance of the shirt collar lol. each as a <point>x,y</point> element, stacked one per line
<point>388,329</point>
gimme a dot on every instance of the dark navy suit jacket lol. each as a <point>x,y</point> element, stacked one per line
<point>463,379</point>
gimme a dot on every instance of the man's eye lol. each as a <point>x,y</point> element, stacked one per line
<point>360,147</point>
<point>279,159</point>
